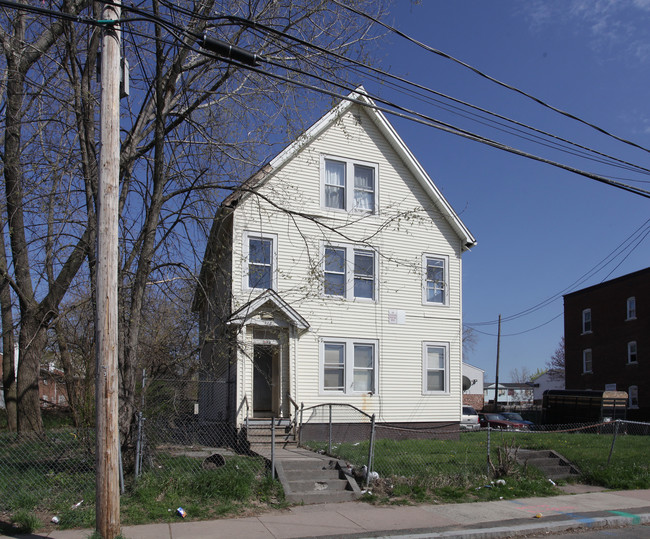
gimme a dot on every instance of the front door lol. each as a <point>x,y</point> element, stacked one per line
<point>263,379</point>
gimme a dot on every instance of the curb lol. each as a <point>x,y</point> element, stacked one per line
<point>514,530</point>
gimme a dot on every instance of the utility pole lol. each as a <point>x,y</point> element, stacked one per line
<point>107,502</point>
<point>496,384</point>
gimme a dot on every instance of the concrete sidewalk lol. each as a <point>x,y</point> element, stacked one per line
<point>503,518</point>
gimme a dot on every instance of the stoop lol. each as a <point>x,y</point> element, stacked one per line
<point>549,462</point>
<point>315,480</point>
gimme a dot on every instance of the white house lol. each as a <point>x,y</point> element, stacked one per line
<point>553,379</point>
<point>334,276</point>
<point>473,380</point>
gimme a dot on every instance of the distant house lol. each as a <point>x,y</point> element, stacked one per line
<point>334,276</point>
<point>607,339</point>
<point>510,394</point>
<point>51,385</point>
<point>473,378</point>
<point>551,379</point>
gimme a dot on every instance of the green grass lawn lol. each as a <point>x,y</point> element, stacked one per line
<point>49,475</point>
<point>452,470</point>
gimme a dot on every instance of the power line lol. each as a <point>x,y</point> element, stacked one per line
<point>488,77</point>
<point>406,113</point>
<point>609,258</point>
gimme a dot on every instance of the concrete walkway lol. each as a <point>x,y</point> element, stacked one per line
<point>503,518</point>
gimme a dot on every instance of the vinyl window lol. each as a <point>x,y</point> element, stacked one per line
<point>631,308</point>
<point>631,352</point>
<point>435,281</point>
<point>260,261</point>
<point>435,367</point>
<point>586,321</point>
<point>348,366</point>
<point>349,185</point>
<point>349,272</point>
<point>586,361</point>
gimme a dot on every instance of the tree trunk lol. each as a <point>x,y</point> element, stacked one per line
<point>32,343</point>
<point>8,368</point>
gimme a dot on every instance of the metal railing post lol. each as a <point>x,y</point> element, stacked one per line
<point>329,437</point>
<point>488,450</point>
<point>611,449</point>
<point>272,448</point>
<point>371,449</point>
<point>138,448</point>
<point>302,406</point>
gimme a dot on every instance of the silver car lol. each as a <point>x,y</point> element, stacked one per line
<point>469,419</point>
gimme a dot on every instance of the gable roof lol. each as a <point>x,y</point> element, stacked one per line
<point>359,98</point>
<point>278,305</point>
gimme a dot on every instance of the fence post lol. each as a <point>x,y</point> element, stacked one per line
<point>329,437</point>
<point>138,446</point>
<point>371,449</point>
<point>611,449</point>
<point>302,405</point>
<point>488,451</point>
<point>272,448</point>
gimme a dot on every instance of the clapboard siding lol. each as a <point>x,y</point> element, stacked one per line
<point>410,226</point>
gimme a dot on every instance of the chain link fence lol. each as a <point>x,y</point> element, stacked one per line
<point>185,429</point>
<point>53,471</point>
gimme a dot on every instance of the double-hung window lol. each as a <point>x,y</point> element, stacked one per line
<point>435,288</point>
<point>586,361</point>
<point>633,394</point>
<point>260,261</point>
<point>631,308</point>
<point>348,366</point>
<point>631,352</point>
<point>435,367</point>
<point>349,185</point>
<point>586,321</point>
<point>349,272</point>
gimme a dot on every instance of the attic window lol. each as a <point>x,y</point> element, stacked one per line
<point>349,185</point>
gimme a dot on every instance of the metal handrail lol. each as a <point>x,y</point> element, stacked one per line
<point>339,404</point>
<point>243,401</point>
<point>294,422</point>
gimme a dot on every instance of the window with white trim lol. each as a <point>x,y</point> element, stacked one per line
<point>435,282</point>
<point>586,321</point>
<point>348,365</point>
<point>631,308</point>
<point>260,261</point>
<point>586,361</point>
<point>349,272</point>
<point>435,362</point>
<point>633,396</point>
<point>631,352</point>
<point>349,185</point>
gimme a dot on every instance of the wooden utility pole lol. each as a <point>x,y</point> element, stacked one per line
<point>107,503</point>
<point>496,384</point>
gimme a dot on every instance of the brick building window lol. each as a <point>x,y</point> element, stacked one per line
<point>586,321</point>
<point>586,361</point>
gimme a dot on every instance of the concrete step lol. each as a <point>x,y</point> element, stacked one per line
<point>308,465</point>
<point>324,496</point>
<point>549,462</point>
<point>315,480</point>
<point>297,475</point>
<point>317,485</point>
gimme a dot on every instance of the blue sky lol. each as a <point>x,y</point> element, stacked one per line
<point>539,228</point>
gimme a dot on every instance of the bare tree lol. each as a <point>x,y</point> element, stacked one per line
<point>193,127</point>
<point>556,364</point>
<point>470,338</point>
<point>520,376</point>
<point>32,173</point>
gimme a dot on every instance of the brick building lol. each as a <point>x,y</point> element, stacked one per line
<point>607,339</point>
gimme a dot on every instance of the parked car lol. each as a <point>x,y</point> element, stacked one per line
<point>469,419</point>
<point>498,421</point>
<point>514,416</point>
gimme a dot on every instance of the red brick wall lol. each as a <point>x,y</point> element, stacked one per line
<point>475,401</point>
